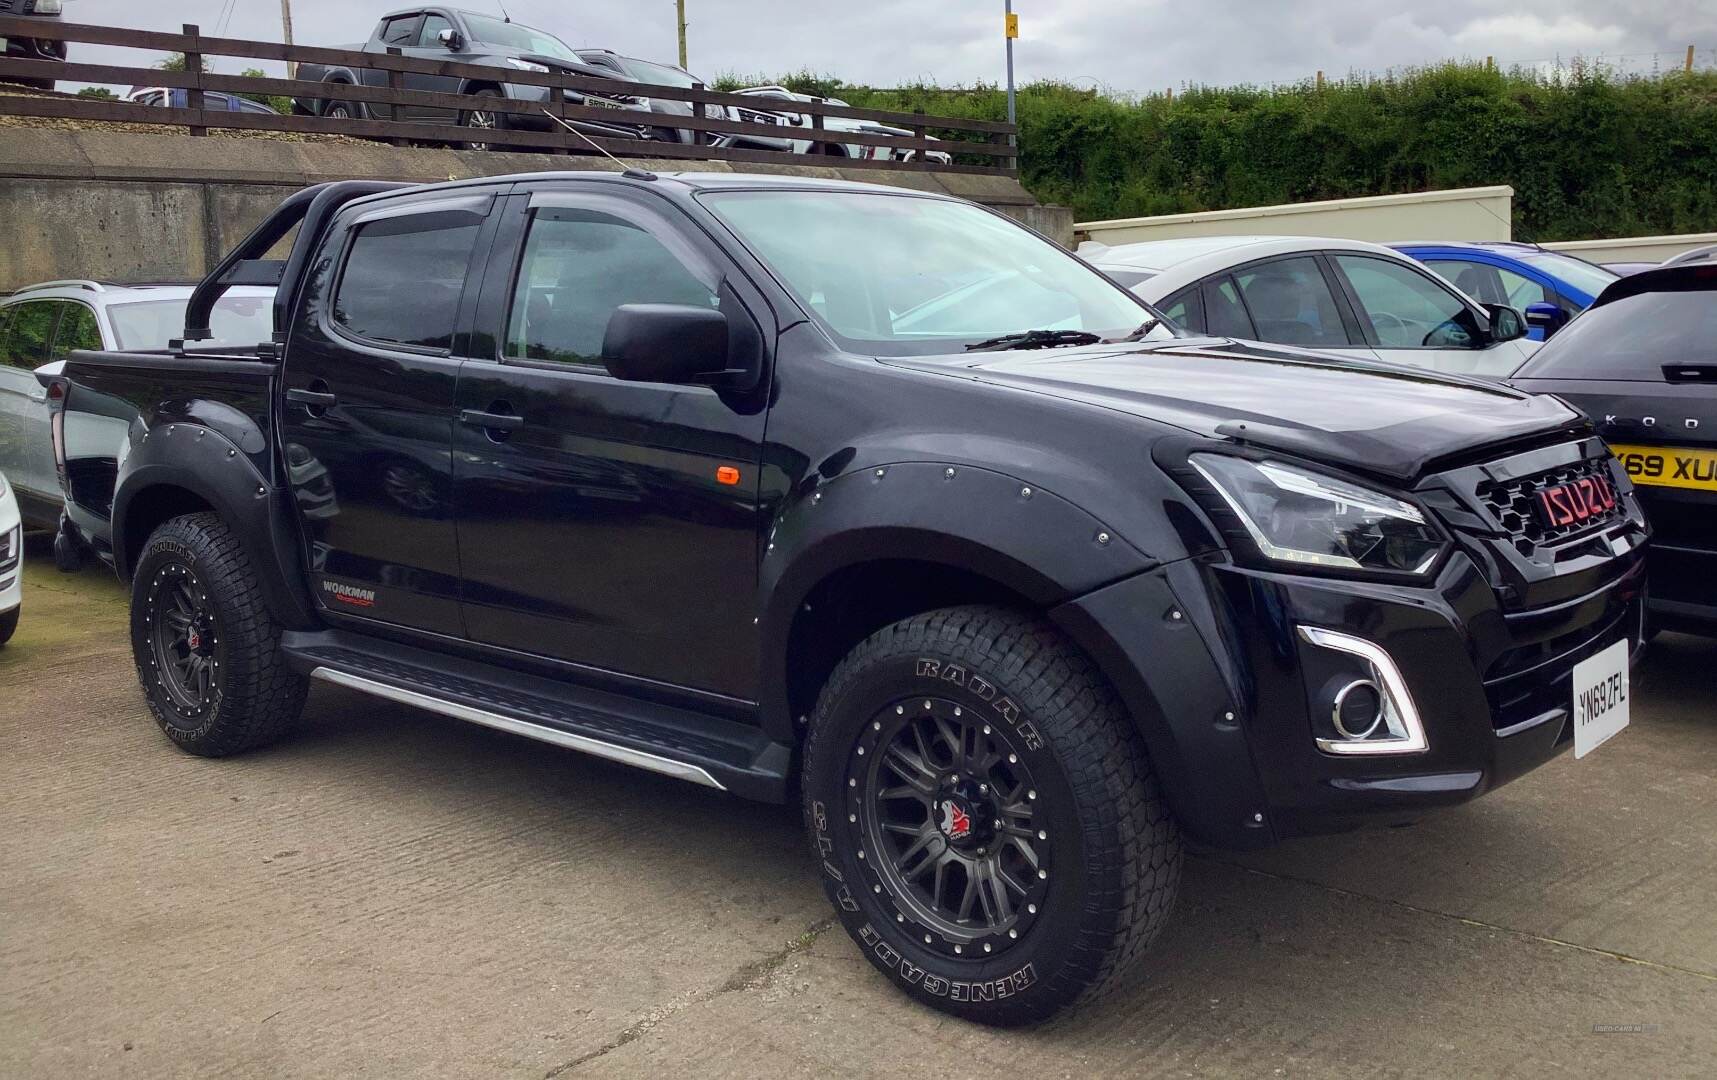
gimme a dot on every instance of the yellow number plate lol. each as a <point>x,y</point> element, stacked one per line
<point>1670,466</point>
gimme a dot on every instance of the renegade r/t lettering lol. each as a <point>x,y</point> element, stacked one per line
<point>869,497</point>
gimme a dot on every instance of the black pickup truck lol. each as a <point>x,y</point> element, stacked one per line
<point>867,497</point>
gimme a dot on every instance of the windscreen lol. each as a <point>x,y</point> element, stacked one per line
<point>511,35</point>
<point>660,74</point>
<point>1632,339</point>
<point>897,275</point>
<point>1589,278</point>
<point>151,324</point>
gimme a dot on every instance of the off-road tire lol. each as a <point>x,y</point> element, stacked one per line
<point>1112,852</point>
<point>9,623</point>
<point>253,696</point>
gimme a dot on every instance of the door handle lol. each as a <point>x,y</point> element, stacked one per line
<point>315,399</point>
<point>492,422</point>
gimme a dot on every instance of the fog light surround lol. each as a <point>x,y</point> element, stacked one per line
<point>1357,709</point>
<point>1396,715</point>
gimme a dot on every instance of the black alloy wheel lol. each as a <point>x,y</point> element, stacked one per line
<point>184,638</point>
<point>944,809</point>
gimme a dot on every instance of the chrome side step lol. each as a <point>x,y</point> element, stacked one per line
<point>458,710</point>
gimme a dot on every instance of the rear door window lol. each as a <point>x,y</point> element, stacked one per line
<point>404,278</point>
<point>1291,303</point>
<point>400,31</point>
<point>25,344</point>
<point>1224,312</point>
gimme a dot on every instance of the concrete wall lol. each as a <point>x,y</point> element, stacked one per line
<point>1463,213</point>
<point>1634,248</point>
<point>116,206</point>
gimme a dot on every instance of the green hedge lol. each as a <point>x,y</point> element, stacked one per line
<point>1591,156</point>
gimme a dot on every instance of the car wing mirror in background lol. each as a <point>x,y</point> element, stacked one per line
<point>451,40</point>
<point>1506,324</point>
<point>1544,316</point>
<point>666,343</point>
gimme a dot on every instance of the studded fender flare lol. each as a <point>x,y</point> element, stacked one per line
<point>968,518</point>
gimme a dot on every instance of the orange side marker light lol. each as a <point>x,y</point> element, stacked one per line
<point>726,474</point>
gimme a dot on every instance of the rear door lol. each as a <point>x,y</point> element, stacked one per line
<point>23,402</point>
<point>370,376</point>
<point>608,524</point>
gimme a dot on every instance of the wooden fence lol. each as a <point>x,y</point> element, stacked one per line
<point>979,146</point>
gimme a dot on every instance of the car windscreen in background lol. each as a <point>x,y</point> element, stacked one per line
<point>1632,339</point>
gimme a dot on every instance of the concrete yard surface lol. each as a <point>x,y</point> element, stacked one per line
<point>391,893</point>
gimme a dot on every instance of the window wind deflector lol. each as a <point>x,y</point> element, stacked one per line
<point>1036,339</point>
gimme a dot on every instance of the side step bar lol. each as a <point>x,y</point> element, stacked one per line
<point>708,750</point>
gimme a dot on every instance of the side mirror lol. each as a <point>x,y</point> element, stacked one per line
<point>451,39</point>
<point>1544,316</point>
<point>665,343</point>
<point>1506,324</point>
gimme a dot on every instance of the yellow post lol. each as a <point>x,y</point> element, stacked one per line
<point>1320,80</point>
<point>1689,66</point>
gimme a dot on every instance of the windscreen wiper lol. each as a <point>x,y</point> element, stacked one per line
<point>1036,339</point>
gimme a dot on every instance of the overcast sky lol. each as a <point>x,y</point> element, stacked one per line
<point>1122,46</point>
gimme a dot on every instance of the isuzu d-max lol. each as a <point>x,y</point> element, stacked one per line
<point>868,498</point>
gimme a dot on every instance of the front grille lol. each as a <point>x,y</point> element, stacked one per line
<point>752,116</point>
<point>1513,506</point>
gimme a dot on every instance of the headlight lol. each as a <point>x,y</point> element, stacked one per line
<point>1297,516</point>
<point>526,65</point>
<point>2,485</point>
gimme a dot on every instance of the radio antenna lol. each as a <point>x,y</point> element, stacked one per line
<point>505,14</point>
<point>626,170</point>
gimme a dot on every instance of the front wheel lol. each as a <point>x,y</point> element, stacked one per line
<point>9,623</point>
<point>482,117</point>
<point>206,645</point>
<point>988,827</point>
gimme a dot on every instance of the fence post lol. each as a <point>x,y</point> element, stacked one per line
<point>923,152</point>
<point>396,83</point>
<point>816,130</point>
<point>194,67</point>
<point>699,136</point>
<point>1688,67</point>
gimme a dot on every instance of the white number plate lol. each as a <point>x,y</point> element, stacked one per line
<point>1600,698</point>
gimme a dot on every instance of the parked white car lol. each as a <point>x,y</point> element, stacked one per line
<point>40,324</point>
<point>11,562</point>
<point>1335,296</point>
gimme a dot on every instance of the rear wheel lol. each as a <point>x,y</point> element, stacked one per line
<point>206,645</point>
<point>989,830</point>
<point>340,110</point>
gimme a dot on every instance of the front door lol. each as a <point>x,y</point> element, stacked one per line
<point>368,418</point>
<point>606,523</point>
<point>427,46</point>
<point>1414,319</point>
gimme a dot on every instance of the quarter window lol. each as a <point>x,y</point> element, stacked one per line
<point>578,267</point>
<point>26,342</point>
<point>1224,312</point>
<point>1291,304</point>
<point>1184,310</point>
<point>404,277</point>
<point>1407,309</point>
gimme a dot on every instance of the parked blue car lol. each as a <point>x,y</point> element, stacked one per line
<point>1549,288</point>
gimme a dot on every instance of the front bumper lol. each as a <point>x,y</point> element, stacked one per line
<point>1493,688</point>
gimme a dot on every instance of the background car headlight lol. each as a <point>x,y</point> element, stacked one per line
<point>526,65</point>
<point>1298,516</point>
